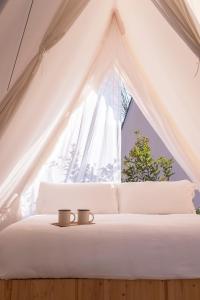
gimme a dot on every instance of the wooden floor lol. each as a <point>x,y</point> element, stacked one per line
<point>99,289</point>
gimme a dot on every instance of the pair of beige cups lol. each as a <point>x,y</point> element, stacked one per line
<point>64,217</point>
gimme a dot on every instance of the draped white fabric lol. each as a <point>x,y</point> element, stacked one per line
<point>156,64</point>
<point>44,106</point>
<point>195,9</point>
<point>166,74</point>
<point>179,14</point>
<point>2,4</point>
<point>89,150</point>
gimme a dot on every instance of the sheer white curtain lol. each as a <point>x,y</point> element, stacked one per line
<point>89,149</point>
<point>50,97</point>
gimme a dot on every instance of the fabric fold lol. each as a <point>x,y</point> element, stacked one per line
<point>64,18</point>
<point>178,14</point>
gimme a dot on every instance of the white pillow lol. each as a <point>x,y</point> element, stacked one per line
<point>98,197</point>
<point>156,197</point>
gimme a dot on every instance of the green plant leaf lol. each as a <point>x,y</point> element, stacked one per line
<point>139,164</point>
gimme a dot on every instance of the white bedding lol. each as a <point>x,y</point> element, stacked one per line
<point>118,246</point>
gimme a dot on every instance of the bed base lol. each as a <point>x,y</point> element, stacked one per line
<point>99,289</point>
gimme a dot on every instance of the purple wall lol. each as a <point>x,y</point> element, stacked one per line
<point>135,120</point>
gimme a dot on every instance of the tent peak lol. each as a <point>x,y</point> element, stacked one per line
<point>117,17</point>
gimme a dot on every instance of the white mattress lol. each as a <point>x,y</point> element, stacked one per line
<point>117,246</point>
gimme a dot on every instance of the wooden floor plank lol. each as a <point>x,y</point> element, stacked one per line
<point>5,289</point>
<point>90,289</point>
<point>21,290</point>
<point>43,289</point>
<point>99,289</point>
<point>145,289</point>
<point>53,289</point>
<point>117,289</point>
<point>184,289</point>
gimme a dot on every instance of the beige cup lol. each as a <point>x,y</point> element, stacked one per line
<point>64,217</point>
<point>84,216</point>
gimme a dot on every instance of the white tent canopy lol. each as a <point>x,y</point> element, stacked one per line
<point>78,43</point>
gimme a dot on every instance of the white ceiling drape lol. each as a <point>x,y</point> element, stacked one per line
<point>66,15</point>
<point>53,92</point>
<point>179,15</point>
<point>2,4</point>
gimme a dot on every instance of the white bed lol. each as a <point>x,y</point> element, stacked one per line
<point>125,246</point>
